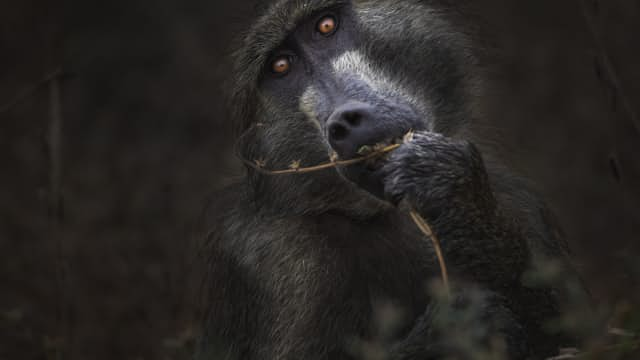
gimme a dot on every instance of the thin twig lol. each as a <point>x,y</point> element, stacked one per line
<point>332,164</point>
<point>54,149</point>
<point>598,351</point>
<point>566,353</point>
<point>30,89</point>
<point>424,226</point>
<point>564,357</point>
<point>621,333</point>
<point>610,70</point>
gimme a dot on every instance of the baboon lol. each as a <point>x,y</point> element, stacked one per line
<point>328,265</point>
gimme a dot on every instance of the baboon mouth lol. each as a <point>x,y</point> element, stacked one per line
<point>375,162</point>
<point>365,172</point>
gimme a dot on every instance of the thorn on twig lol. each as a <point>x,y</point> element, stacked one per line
<point>260,163</point>
<point>295,165</point>
<point>364,150</point>
<point>408,137</point>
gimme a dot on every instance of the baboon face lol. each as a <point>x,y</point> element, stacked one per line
<point>333,76</point>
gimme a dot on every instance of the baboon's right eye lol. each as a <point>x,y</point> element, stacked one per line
<point>281,65</point>
<point>327,25</point>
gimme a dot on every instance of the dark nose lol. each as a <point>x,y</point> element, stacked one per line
<point>350,127</point>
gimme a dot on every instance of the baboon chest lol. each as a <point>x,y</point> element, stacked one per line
<point>352,280</point>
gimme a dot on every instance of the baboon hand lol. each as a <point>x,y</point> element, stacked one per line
<point>435,174</point>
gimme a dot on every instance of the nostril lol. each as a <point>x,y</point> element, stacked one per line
<point>338,132</point>
<point>353,118</point>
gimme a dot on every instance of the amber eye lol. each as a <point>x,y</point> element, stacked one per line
<point>281,65</point>
<point>327,25</point>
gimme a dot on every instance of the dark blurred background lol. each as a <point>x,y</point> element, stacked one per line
<point>112,136</point>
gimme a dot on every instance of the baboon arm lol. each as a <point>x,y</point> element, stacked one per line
<point>446,182</point>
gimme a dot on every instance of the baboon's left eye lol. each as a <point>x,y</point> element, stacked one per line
<point>327,25</point>
<point>281,65</point>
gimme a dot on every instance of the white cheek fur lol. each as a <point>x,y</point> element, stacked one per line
<point>355,64</point>
<point>307,104</point>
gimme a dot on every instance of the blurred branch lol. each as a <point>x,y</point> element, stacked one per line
<point>54,150</point>
<point>610,74</point>
<point>632,344</point>
<point>622,333</point>
<point>30,90</point>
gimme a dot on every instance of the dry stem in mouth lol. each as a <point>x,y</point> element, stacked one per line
<point>366,152</point>
<point>295,168</point>
<point>426,229</point>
